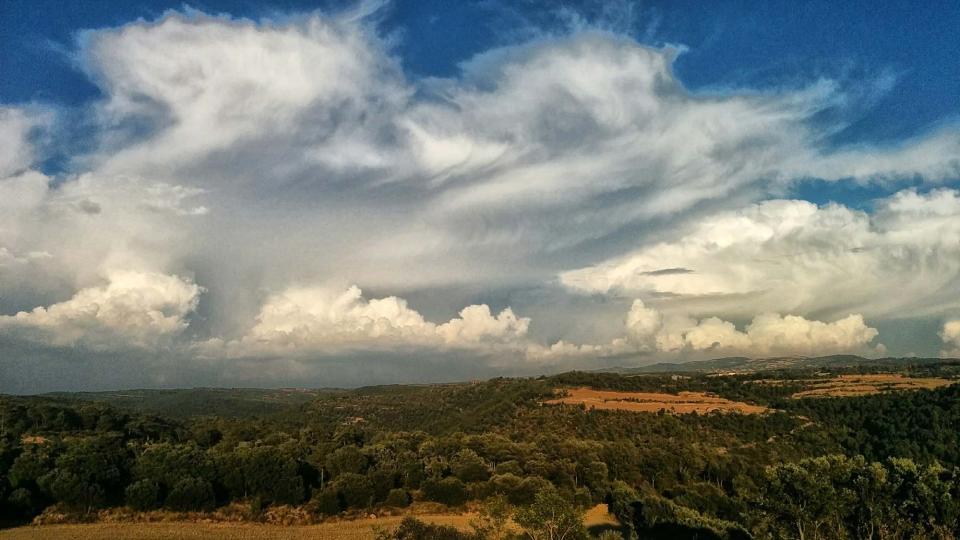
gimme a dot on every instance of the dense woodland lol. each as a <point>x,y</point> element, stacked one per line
<point>881,466</point>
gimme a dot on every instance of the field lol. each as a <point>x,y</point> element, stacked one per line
<point>679,403</point>
<point>862,385</point>
<point>359,529</point>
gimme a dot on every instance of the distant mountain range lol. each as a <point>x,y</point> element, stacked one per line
<point>738,364</point>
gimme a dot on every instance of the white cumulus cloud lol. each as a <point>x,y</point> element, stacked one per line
<point>950,334</point>
<point>133,309</point>
<point>318,320</point>
<point>902,260</point>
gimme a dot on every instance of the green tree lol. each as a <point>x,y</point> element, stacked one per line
<point>346,460</point>
<point>142,495</point>
<point>551,517</point>
<point>469,467</point>
<point>72,490</point>
<point>398,498</point>
<point>805,498</point>
<point>450,491</point>
<point>190,494</point>
<point>325,502</point>
<point>354,490</point>
<point>493,521</point>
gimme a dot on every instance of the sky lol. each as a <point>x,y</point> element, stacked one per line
<point>311,194</point>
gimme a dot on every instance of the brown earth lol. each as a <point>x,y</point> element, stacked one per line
<point>681,403</point>
<point>356,529</point>
<point>862,385</point>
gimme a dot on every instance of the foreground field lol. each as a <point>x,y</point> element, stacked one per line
<point>680,403</point>
<point>863,385</point>
<point>359,529</point>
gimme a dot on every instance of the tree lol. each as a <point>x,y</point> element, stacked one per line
<point>325,502</point>
<point>354,490</point>
<point>469,467</point>
<point>347,459</point>
<point>72,490</point>
<point>801,499</point>
<point>550,517</point>
<point>450,491</point>
<point>191,493</point>
<point>493,522</point>
<point>142,495</point>
<point>269,473</point>
<point>398,498</point>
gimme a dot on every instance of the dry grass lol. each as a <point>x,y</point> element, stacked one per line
<point>684,402</point>
<point>358,529</point>
<point>862,385</point>
<point>599,516</point>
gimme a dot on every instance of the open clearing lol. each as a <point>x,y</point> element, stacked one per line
<point>358,529</point>
<point>681,403</point>
<point>862,385</point>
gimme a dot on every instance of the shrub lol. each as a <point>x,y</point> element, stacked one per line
<point>355,490</point>
<point>398,498</point>
<point>142,495</point>
<point>72,490</point>
<point>450,491</point>
<point>469,467</point>
<point>325,503</point>
<point>23,502</point>
<point>414,529</point>
<point>190,493</point>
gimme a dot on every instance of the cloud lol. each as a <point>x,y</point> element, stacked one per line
<point>767,334</point>
<point>902,260</point>
<point>16,151</point>
<point>532,156</point>
<point>319,320</point>
<point>951,339</point>
<point>932,157</point>
<point>770,335</point>
<point>133,309</point>
<point>202,88</point>
<point>253,156</point>
<point>652,334</point>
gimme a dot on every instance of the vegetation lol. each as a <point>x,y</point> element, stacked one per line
<point>877,466</point>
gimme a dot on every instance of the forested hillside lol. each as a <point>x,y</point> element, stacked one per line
<point>875,466</point>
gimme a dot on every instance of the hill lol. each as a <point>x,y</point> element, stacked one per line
<point>738,364</point>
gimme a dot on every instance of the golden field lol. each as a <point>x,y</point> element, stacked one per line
<point>862,385</point>
<point>680,403</point>
<point>356,529</point>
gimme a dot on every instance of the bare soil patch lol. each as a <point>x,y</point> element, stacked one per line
<point>681,403</point>
<point>862,385</point>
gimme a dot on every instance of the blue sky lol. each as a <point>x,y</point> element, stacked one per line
<point>730,44</point>
<point>486,187</point>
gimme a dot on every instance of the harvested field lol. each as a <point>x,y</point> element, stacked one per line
<point>684,402</point>
<point>359,529</point>
<point>862,385</point>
